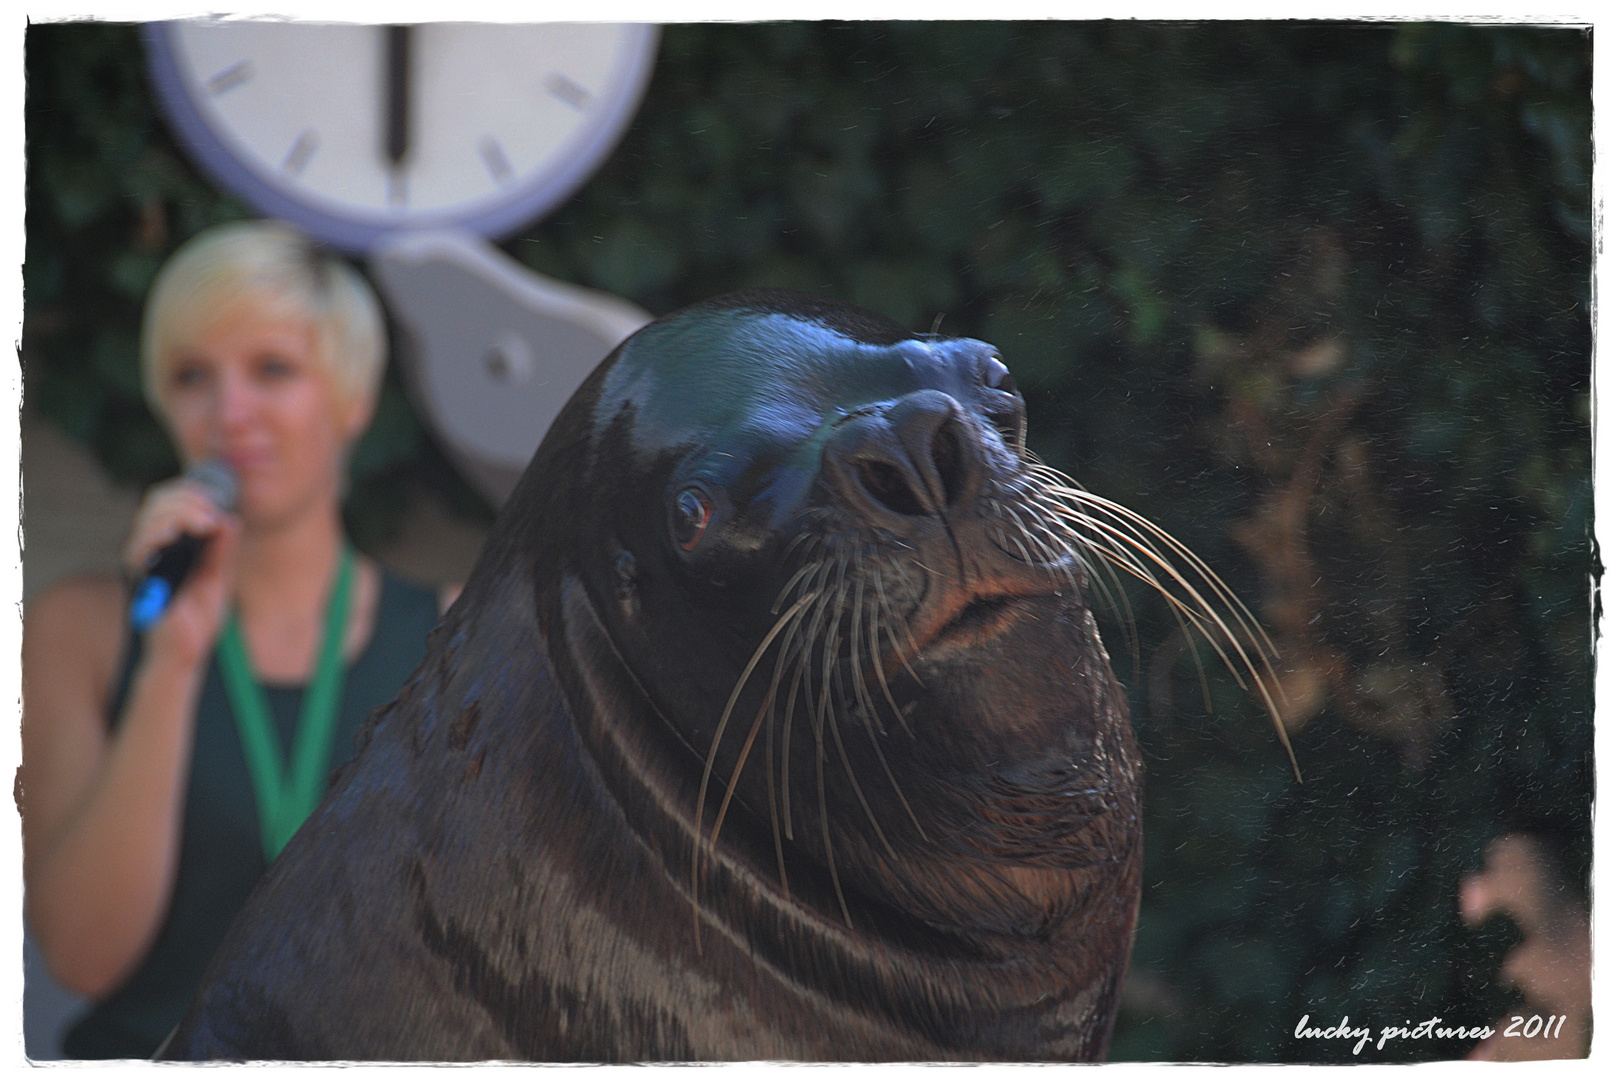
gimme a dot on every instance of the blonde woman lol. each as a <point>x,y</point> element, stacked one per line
<point>161,772</point>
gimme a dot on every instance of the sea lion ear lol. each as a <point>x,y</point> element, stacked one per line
<point>628,583</point>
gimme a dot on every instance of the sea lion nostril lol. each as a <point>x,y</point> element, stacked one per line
<point>938,445</point>
<point>887,484</point>
<point>925,473</point>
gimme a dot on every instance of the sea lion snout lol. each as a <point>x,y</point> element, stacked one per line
<point>937,476</point>
<point>917,457</point>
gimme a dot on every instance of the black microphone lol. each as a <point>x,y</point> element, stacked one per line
<point>171,564</point>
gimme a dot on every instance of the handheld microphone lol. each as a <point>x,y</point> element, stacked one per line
<point>171,564</point>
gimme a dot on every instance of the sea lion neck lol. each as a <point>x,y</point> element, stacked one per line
<point>932,990</point>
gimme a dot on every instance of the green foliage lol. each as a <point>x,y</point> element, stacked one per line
<point>1192,244</point>
<point>110,196</point>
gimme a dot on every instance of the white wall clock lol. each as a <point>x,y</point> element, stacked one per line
<point>354,132</point>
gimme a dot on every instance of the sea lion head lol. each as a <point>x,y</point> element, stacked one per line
<point>854,609</point>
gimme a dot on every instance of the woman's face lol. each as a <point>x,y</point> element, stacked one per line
<point>250,388</point>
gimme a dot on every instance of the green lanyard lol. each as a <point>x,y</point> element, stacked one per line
<point>285,801</point>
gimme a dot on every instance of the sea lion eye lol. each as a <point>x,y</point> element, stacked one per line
<point>692,512</point>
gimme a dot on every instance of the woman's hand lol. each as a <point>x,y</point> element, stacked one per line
<point>191,623</point>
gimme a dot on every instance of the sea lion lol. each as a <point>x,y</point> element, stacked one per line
<point>773,723</point>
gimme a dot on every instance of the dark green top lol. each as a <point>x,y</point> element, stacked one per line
<point>221,852</point>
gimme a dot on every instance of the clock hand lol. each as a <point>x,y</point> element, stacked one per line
<point>397,134</point>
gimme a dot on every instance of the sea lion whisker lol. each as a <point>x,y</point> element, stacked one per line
<point>879,614</point>
<point>1119,534</point>
<point>897,789</point>
<point>1120,550</point>
<point>1136,531</point>
<point>866,702</point>
<point>806,569</point>
<point>832,644</point>
<point>1119,543</point>
<point>1119,556</point>
<point>1050,549</point>
<point>1219,586</point>
<point>1026,555</point>
<point>1048,554</point>
<point>718,735</point>
<point>817,639</point>
<point>804,537</point>
<point>825,716</point>
<point>805,661</point>
<point>1024,533</point>
<point>855,632</point>
<point>1101,575</point>
<point>874,641</point>
<point>909,632</point>
<point>998,530</point>
<point>833,632</point>
<point>861,688</point>
<point>1146,529</point>
<point>1122,543</point>
<point>835,726</point>
<point>821,715</point>
<point>1006,511</point>
<point>789,649</point>
<point>785,761</point>
<point>1050,545</point>
<point>740,763</point>
<point>830,854</point>
<point>866,612</point>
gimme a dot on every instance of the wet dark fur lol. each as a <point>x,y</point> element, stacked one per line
<point>506,868</point>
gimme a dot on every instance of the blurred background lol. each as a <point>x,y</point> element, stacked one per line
<point>1313,297</point>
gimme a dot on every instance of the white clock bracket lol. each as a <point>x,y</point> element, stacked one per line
<point>415,147</point>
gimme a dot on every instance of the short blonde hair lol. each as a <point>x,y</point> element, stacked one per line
<point>271,264</point>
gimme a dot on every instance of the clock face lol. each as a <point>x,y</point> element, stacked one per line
<point>357,131</point>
